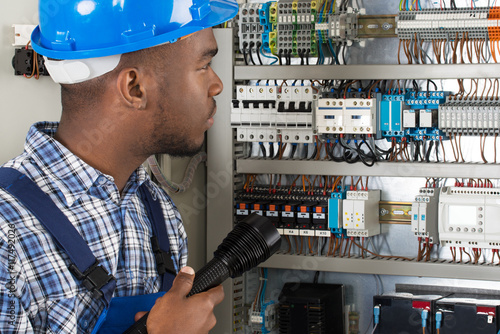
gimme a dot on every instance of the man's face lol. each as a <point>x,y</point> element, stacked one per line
<point>185,102</point>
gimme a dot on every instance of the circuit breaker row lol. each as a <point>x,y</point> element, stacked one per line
<point>297,113</point>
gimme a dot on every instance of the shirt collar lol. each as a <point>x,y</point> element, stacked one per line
<point>68,172</point>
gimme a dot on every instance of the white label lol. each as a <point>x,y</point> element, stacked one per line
<point>320,233</point>
<point>309,233</point>
<point>291,232</point>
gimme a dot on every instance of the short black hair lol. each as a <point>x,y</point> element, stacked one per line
<point>85,95</point>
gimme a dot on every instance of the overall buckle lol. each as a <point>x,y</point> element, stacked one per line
<point>163,259</point>
<point>94,278</point>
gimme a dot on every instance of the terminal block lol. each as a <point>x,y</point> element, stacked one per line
<point>295,33</point>
<point>436,24</point>
<point>250,28</point>
<point>264,320</point>
<point>346,116</point>
<point>361,213</point>
<point>469,116</point>
<point>343,27</point>
<point>424,214</point>
<point>468,217</point>
<point>425,100</point>
<point>265,21</point>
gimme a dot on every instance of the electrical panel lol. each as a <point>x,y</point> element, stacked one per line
<point>367,133</point>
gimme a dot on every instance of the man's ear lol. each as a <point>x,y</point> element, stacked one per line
<point>132,87</point>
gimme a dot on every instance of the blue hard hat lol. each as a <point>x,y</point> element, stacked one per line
<point>79,29</point>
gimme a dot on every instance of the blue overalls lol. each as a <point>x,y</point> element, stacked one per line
<point>119,313</point>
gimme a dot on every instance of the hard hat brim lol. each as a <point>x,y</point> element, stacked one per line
<point>221,11</point>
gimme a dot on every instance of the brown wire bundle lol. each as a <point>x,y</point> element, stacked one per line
<point>378,255</point>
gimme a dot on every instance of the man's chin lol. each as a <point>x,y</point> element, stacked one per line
<point>185,152</point>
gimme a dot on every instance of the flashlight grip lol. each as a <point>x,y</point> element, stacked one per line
<point>212,274</point>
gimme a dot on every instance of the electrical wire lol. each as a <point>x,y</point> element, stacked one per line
<point>245,44</point>
<point>259,47</point>
<point>378,255</point>
<point>250,52</point>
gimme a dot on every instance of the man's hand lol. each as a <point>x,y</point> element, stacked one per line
<point>174,313</point>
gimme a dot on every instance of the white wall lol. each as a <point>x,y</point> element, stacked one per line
<point>23,101</point>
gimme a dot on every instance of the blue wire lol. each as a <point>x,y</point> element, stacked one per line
<point>263,292</point>
<point>320,61</point>
<point>333,51</point>
<point>331,6</point>
<point>262,53</point>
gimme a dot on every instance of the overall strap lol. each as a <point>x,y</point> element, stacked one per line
<point>84,265</point>
<point>159,241</point>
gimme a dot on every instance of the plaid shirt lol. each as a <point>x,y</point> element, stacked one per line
<point>38,294</point>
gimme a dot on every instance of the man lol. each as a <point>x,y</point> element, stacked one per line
<point>135,81</point>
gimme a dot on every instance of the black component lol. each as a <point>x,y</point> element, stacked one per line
<point>281,106</point>
<point>164,262</point>
<point>289,214</point>
<point>259,207</point>
<point>22,62</point>
<point>303,107</point>
<point>319,216</point>
<point>236,103</point>
<point>306,308</point>
<point>251,242</point>
<point>403,315</point>
<point>304,215</point>
<point>458,317</point>
<point>243,209</point>
<point>273,212</point>
<point>255,103</point>
<point>94,278</point>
